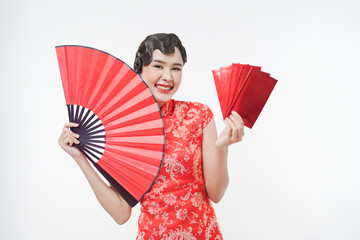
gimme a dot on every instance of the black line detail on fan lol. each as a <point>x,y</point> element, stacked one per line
<point>91,131</point>
<point>124,193</point>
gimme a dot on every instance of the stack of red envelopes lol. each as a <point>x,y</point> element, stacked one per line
<point>244,89</point>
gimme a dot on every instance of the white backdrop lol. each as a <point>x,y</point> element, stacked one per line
<point>294,176</point>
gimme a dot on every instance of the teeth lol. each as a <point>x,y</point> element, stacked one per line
<point>163,88</point>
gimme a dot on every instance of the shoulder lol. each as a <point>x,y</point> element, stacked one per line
<point>190,104</point>
<point>194,110</point>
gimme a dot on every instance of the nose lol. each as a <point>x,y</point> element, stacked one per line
<point>167,76</point>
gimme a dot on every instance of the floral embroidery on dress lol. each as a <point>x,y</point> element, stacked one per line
<point>177,206</point>
<point>173,167</point>
<point>170,199</point>
<point>179,234</point>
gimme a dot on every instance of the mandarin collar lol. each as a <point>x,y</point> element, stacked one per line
<point>167,108</point>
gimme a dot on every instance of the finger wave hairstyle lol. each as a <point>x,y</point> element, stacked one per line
<point>165,42</point>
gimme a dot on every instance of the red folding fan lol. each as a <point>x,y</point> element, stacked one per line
<point>120,124</point>
<point>244,89</point>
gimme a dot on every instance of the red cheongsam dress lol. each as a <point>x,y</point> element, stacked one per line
<point>177,206</point>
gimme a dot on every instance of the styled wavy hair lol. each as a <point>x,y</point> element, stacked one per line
<point>165,42</point>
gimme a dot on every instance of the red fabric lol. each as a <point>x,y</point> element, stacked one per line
<point>177,206</point>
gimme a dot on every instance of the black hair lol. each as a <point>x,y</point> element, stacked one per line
<point>165,42</point>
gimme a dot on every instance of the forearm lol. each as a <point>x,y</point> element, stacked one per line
<point>215,152</point>
<point>109,199</point>
<point>214,164</point>
<point>217,177</point>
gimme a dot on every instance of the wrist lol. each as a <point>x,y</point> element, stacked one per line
<point>221,148</point>
<point>80,158</point>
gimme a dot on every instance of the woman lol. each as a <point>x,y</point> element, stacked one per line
<point>194,168</point>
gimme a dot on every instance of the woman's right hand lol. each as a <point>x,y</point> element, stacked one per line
<point>68,138</point>
<point>108,197</point>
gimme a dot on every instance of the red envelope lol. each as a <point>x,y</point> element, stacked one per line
<point>244,89</point>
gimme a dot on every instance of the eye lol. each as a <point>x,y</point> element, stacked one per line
<point>176,69</point>
<point>157,66</point>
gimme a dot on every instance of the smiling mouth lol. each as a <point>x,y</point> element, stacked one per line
<point>164,88</point>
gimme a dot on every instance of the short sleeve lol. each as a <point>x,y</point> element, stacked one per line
<point>206,114</point>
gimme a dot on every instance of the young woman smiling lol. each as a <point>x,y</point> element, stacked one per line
<point>194,169</point>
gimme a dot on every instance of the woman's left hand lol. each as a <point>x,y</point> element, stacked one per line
<point>233,132</point>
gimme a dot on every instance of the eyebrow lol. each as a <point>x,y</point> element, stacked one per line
<point>159,61</point>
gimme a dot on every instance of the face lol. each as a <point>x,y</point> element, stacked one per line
<point>163,74</point>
